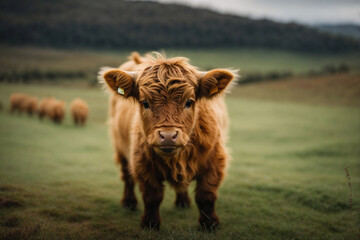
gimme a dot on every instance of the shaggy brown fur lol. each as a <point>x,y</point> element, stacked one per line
<point>79,111</point>
<point>43,106</point>
<point>23,103</point>
<point>16,101</point>
<point>56,112</point>
<point>30,105</point>
<point>52,108</point>
<point>169,125</point>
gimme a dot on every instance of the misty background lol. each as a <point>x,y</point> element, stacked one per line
<point>302,11</point>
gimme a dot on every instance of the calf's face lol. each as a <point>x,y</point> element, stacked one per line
<point>167,113</point>
<point>167,100</point>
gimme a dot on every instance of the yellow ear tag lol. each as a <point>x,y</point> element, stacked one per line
<point>121,91</point>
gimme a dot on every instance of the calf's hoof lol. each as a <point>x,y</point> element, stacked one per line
<point>151,224</point>
<point>129,203</point>
<point>209,224</point>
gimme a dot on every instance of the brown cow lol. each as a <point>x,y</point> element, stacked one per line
<point>43,106</point>
<point>17,101</point>
<point>56,111</point>
<point>168,123</point>
<point>79,111</point>
<point>53,109</point>
<point>30,105</point>
<point>23,103</point>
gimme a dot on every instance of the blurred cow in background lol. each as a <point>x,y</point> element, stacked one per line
<point>52,108</point>
<point>23,103</point>
<point>43,106</point>
<point>56,112</point>
<point>30,105</point>
<point>79,111</point>
<point>16,101</point>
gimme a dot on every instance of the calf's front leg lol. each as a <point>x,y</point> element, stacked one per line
<point>205,197</point>
<point>152,197</point>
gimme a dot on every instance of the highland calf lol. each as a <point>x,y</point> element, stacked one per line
<point>52,108</point>
<point>56,112</point>
<point>23,103</point>
<point>168,122</point>
<point>16,101</point>
<point>79,111</point>
<point>43,106</point>
<point>30,105</point>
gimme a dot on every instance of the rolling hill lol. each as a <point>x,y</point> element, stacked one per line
<point>114,24</point>
<point>351,30</point>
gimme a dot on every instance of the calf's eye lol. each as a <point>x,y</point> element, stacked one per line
<point>188,103</point>
<point>145,104</point>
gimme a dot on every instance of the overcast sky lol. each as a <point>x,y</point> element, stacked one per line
<point>304,11</point>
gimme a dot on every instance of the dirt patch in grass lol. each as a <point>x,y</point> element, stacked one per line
<point>11,222</point>
<point>77,218</point>
<point>64,216</point>
<point>10,203</point>
<point>28,232</point>
<point>51,213</point>
<point>8,188</point>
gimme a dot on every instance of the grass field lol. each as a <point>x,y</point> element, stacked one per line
<point>286,179</point>
<point>335,90</point>
<point>248,60</point>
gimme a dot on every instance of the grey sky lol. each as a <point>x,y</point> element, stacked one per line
<point>304,11</point>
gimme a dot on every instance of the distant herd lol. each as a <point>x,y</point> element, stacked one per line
<point>49,107</point>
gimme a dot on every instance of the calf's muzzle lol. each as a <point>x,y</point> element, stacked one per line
<point>168,141</point>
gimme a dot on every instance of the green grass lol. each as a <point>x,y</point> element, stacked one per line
<point>247,60</point>
<point>286,179</point>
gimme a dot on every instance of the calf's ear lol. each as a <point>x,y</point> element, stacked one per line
<point>214,82</point>
<point>118,81</point>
